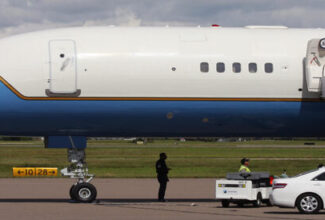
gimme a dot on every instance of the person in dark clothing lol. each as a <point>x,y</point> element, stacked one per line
<point>162,171</point>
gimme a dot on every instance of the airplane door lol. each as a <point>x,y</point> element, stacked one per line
<point>63,68</point>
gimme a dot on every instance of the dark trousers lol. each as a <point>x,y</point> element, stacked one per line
<point>162,188</point>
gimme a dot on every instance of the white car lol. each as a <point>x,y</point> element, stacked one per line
<point>305,191</point>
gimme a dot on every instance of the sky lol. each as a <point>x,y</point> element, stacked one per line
<point>17,16</point>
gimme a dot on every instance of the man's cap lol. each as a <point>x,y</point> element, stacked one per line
<point>244,160</point>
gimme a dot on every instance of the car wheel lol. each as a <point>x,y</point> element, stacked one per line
<point>308,203</point>
<point>258,201</point>
<point>268,203</point>
<point>225,203</point>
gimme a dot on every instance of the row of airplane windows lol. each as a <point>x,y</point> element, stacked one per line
<point>236,67</point>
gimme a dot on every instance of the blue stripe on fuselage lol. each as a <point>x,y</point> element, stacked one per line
<point>159,118</point>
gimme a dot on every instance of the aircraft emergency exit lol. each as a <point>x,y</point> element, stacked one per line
<point>70,84</point>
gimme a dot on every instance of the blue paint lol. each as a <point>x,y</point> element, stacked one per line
<point>159,118</point>
<point>66,142</point>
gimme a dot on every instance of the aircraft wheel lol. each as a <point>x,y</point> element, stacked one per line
<point>84,192</point>
<point>72,196</point>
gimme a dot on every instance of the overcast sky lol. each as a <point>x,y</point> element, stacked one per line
<point>27,15</point>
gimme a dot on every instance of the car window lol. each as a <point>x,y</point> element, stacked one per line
<point>320,177</point>
<point>305,173</point>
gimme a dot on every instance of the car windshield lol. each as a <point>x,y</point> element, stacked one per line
<point>307,172</point>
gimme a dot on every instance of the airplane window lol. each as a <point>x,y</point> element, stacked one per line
<point>252,67</point>
<point>236,67</point>
<point>221,67</point>
<point>268,67</point>
<point>204,67</point>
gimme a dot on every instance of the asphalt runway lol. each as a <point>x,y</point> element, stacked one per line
<point>126,199</point>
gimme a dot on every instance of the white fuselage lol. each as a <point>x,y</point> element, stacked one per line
<point>152,81</point>
<point>162,62</point>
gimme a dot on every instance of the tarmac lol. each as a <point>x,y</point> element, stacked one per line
<point>27,198</point>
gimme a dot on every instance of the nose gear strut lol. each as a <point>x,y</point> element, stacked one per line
<point>82,191</point>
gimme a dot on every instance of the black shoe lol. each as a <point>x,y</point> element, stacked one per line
<point>161,200</point>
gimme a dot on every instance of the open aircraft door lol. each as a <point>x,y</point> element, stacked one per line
<point>63,69</point>
<point>315,66</point>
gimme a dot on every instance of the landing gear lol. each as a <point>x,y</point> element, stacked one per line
<point>82,191</point>
<point>71,193</point>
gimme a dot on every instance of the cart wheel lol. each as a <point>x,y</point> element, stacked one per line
<point>258,201</point>
<point>225,203</point>
<point>240,204</point>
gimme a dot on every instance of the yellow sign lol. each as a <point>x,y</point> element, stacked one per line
<point>46,171</point>
<point>32,171</point>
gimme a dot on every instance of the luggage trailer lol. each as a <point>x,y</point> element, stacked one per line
<point>241,188</point>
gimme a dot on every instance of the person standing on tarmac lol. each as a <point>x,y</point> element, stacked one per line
<point>244,166</point>
<point>162,171</point>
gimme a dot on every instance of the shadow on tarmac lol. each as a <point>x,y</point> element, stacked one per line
<point>34,200</point>
<point>154,200</point>
<point>293,213</point>
<point>101,200</point>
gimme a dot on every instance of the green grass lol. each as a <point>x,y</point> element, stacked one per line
<point>187,159</point>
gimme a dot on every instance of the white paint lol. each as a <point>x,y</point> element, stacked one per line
<point>63,66</point>
<point>296,186</point>
<point>137,62</point>
<point>244,190</point>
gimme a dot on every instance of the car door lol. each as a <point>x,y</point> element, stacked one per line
<point>318,183</point>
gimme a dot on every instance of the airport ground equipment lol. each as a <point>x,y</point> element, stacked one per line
<point>241,188</point>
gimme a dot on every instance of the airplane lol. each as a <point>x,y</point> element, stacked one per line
<point>72,83</point>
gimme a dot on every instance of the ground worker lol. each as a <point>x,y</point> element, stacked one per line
<point>244,166</point>
<point>162,171</point>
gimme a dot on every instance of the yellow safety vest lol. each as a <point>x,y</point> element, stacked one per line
<point>243,168</point>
